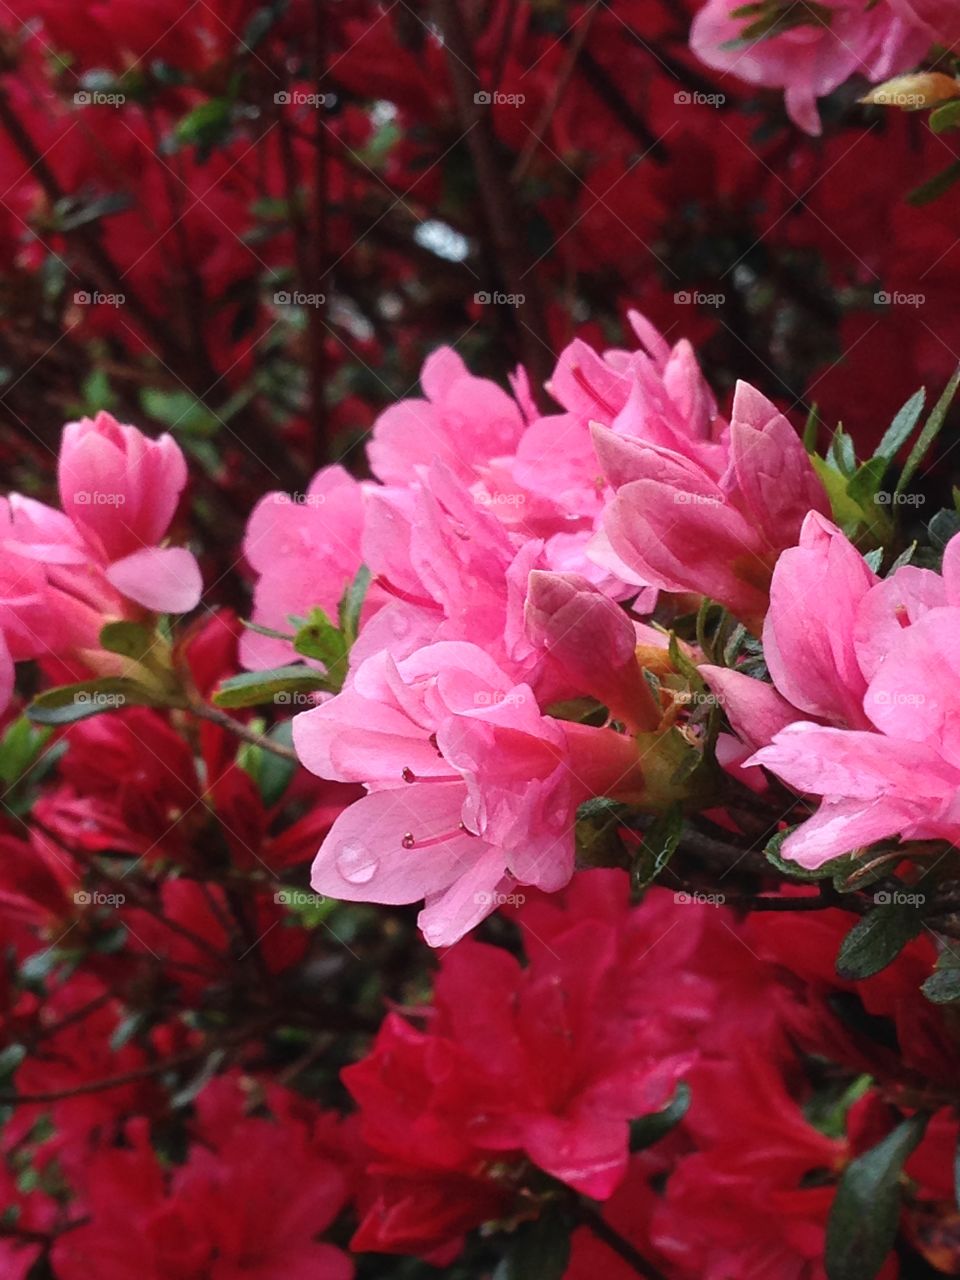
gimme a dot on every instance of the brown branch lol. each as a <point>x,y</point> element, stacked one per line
<point>502,215</point>
<point>214,715</point>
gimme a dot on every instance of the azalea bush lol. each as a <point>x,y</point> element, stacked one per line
<point>479,641</point>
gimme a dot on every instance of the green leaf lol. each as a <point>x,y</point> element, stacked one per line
<point>865,483</point>
<point>72,702</point>
<point>878,939</point>
<point>943,985</point>
<point>180,411</point>
<point>929,433</point>
<point>836,868</point>
<point>260,24</point>
<point>20,748</point>
<point>901,428</point>
<point>936,187</point>
<point>944,117</point>
<point>846,512</point>
<point>944,526</point>
<point>280,685</point>
<point>660,842</point>
<point>842,452</point>
<point>129,639</point>
<point>273,773</point>
<point>866,1211</point>
<point>645,1131</point>
<point>538,1250</point>
<point>206,125</point>
<point>597,831</point>
<point>811,429</point>
<point>352,603</point>
<point>318,638</point>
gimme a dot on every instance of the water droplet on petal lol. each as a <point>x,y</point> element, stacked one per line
<point>356,863</point>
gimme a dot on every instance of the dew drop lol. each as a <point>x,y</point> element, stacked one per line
<point>357,864</point>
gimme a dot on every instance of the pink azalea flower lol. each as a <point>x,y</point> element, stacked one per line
<point>896,771</point>
<point>940,18</point>
<point>66,573</point>
<point>810,61</point>
<point>464,421</point>
<point>471,787</point>
<point>120,491</point>
<point>711,519</point>
<point>589,647</point>
<point>305,550</point>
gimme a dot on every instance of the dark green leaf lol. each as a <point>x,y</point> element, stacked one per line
<point>130,639</point>
<point>206,125</point>
<point>943,985</point>
<point>647,1130</point>
<point>865,1214</point>
<point>835,868</point>
<point>538,1250</point>
<point>318,638</point>
<point>901,428</point>
<point>865,483</point>
<point>931,430</point>
<point>276,772</point>
<point>877,939</point>
<point>352,603</point>
<point>20,747</point>
<point>72,702</point>
<point>944,117</point>
<point>660,843</point>
<point>936,187</point>
<point>944,526</point>
<point>279,685</point>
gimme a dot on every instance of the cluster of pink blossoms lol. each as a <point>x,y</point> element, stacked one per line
<point>808,50</point>
<point>502,545</point>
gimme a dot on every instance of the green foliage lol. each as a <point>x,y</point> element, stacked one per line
<point>865,1213</point>
<point>538,1250</point>
<point>278,685</point>
<point>646,1131</point>
<point>877,939</point>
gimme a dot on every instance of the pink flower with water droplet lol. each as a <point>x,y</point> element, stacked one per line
<point>471,788</point>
